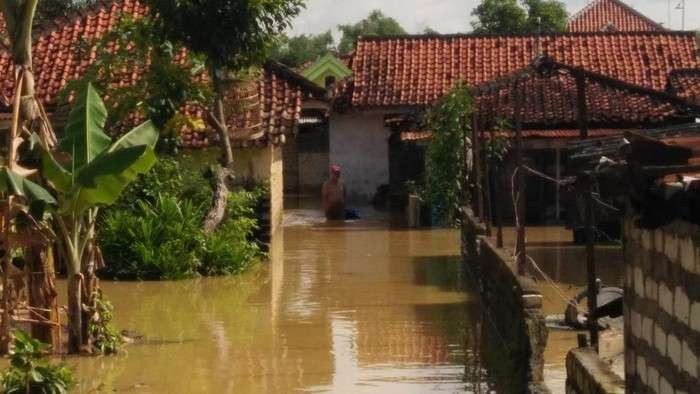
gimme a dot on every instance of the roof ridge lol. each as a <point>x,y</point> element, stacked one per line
<point>620,3</point>
<point>526,35</point>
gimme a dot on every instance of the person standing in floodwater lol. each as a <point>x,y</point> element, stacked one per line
<point>333,195</point>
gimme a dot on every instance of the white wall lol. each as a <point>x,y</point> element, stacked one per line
<point>359,143</point>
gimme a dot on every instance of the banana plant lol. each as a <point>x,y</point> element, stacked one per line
<point>88,171</point>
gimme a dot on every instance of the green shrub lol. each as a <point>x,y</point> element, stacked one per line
<point>160,240</point>
<point>164,239</point>
<point>106,339</point>
<point>28,373</point>
<point>168,177</point>
<point>230,250</point>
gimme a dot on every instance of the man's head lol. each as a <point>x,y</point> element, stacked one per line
<point>335,171</point>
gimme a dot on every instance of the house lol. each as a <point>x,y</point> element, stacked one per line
<point>397,77</point>
<point>610,16</point>
<point>327,70</point>
<point>273,98</point>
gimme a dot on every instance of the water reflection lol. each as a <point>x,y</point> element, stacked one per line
<point>344,308</point>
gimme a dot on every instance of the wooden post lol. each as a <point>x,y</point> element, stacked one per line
<point>557,203</point>
<point>477,170</point>
<point>520,250</point>
<point>590,265</point>
<point>582,106</point>
<point>497,181</point>
<point>487,185</point>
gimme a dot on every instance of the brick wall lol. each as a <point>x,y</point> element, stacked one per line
<point>662,308</point>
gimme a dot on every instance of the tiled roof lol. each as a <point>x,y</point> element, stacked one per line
<point>610,15</point>
<point>416,70</point>
<point>685,83</point>
<point>550,100</point>
<point>272,102</point>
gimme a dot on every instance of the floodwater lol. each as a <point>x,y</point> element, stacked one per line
<point>341,308</point>
<point>554,251</point>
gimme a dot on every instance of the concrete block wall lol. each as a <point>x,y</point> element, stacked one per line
<point>587,373</point>
<point>514,306</point>
<point>662,308</point>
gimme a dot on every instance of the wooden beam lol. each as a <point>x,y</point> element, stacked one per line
<point>497,181</point>
<point>487,185</point>
<point>520,250</point>
<point>590,263</point>
<point>581,104</point>
<point>477,170</point>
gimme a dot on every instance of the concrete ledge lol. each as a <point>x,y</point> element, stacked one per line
<point>589,374</point>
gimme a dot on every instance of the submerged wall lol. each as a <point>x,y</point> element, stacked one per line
<point>359,143</point>
<point>514,306</point>
<point>662,308</point>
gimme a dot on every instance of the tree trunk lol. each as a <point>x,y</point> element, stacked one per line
<point>75,310</point>
<point>222,127</point>
<point>220,199</point>
<point>42,293</point>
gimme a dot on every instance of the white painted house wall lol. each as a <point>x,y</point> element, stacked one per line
<point>359,143</point>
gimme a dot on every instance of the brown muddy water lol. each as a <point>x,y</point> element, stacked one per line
<point>343,308</point>
<point>553,249</point>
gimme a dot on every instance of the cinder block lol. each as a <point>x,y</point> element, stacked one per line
<point>642,368</point>
<point>673,349</point>
<point>647,240</point>
<point>651,289</point>
<point>659,241</point>
<point>681,306</point>
<point>695,316</point>
<point>689,360</point>
<point>653,378</point>
<point>639,281</point>
<point>664,386</point>
<point>660,339</point>
<point>636,319</point>
<point>666,298</point>
<point>687,254</point>
<point>630,361</point>
<point>648,330</point>
<point>671,247</point>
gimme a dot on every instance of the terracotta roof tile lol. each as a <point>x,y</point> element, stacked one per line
<point>610,15</point>
<point>269,112</point>
<point>415,70</point>
<point>685,83</point>
<point>551,100</point>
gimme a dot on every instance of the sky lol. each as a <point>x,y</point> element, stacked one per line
<point>453,16</point>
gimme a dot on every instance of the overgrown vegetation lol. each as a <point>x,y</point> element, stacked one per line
<point>155,231</point>
<point>30,373</point>
<point>106,339</point>
<point>447,156</point>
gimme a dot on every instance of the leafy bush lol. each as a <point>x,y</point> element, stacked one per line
<point>164,239</point>
<point>28,373</point>
<point>446,174</point>
<point>167,177</point>
<point>160,240</point>
<point>106,339</point>
<point>230,250</point>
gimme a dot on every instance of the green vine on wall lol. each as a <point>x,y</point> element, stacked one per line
<point>447,156</point>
